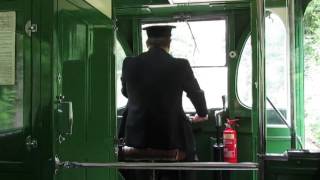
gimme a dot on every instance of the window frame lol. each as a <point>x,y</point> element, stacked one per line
<point>277,133</point>
<point>243,41</point>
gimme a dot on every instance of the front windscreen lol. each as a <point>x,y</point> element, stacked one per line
<point>203,44</point>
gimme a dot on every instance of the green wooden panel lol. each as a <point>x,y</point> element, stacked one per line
<point>43,16</point>
<point>73,47</point>
<point>101,124</point>
<point>86,65</point>
<point>74,91</point>
<point>278,139</point>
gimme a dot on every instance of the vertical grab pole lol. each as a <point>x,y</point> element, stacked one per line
<point>261,84</point>
<point>291,13</point>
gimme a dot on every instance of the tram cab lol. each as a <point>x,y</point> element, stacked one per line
<point>60,84</point>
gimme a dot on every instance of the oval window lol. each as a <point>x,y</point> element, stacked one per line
<point>244,78</point>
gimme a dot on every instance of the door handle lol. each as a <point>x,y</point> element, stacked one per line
<point>64,120</point>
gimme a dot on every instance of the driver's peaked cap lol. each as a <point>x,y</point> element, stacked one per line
<point>159,31</point>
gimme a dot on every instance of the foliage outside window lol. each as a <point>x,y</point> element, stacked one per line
<point>312,75</point>
<point>11,100</point>
<point>203,44</point>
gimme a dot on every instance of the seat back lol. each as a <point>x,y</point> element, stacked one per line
<point>149,154</point>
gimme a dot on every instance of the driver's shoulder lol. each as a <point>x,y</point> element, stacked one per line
<point>182,62</point>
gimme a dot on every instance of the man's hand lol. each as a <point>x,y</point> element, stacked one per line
<point>197,119</point>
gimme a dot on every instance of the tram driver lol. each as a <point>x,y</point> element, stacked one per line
<point>154,83</point>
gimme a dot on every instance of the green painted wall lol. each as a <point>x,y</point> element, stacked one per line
<point>86,64</point>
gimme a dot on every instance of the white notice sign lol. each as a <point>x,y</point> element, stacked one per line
<point>104,6</point>
<point>7,47</point>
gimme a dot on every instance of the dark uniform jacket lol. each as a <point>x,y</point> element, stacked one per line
<point>154,82</point>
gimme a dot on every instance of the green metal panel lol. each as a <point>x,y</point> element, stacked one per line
<point>278,139</point>
<point>74,90</point>
<point>238,25</point>
<point>42,88</point>
<point>258,88</point>
<point>299,35</point>
<point>101,125</point>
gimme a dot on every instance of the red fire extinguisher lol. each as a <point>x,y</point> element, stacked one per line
<point>230,141</point>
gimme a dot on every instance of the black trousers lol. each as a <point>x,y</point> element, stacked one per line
<point>130,174</point>
<point>159,175</point>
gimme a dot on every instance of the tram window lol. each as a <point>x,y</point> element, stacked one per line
<point>244,81</point>
<point>312,75</point>
<point>277,70</point>
<point>120,56</point>
<point>203,43</point>
<point>11,99</point>
<point>277,66</point>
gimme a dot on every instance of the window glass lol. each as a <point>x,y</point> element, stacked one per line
<point>203,43</point>
<point>244,81</point>
<point>312,75</point>
<point>277,65</point>
<point>277,70</point>
<point>213,81</point>
<point>11,96</point>
<point>120,56</point>
<point>197,41</point>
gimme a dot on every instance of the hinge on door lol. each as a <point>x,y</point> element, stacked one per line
<point>59,78</point>
<point>30,28</point>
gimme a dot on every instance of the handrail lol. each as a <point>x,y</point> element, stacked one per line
<point>283,119</point>
<point>244,166</point>
<point>164,166</point>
